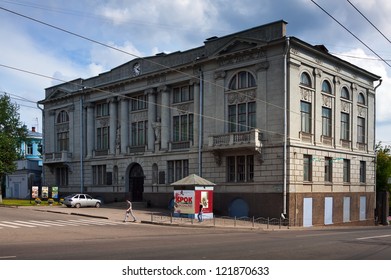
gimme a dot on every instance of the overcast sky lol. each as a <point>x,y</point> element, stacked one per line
<point>147,27</point>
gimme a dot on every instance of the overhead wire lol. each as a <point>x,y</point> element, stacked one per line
<point>128,53</point>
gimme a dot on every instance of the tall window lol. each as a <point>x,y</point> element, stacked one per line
<point>307,168</point>
<point>240,168</point>
<point>139,133</point>
<point>326,122</point>
<point>305,117</point>
<point>177,169</point>
<point>363,171</point>
<point>62,132</point>
<point>183,94</point>
<point>242,80</point>
<point>62,176</point>
<point>99,174</point>
<point>183,128</point>
<point>139,102</point>
<point>102,138</point>
<point>62,141</point>
<point>102,109</point>
<point>345,127</point>
<point>346,171</point>
<point>360,130</point>
<point>328,169</point>
<point>241,117</point>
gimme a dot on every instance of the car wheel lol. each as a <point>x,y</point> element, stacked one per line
<point>77,205</point>
<point>97,205</point>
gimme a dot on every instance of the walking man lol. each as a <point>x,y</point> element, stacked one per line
<point>200,211</point>
<point>129,211</point>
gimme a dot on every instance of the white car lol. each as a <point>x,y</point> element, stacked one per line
<point>81,200</point>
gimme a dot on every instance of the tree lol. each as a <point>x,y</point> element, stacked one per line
<point>12,134</point>
<point>383,167</point>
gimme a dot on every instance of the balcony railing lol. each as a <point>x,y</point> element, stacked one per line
<point>57,157</point>
<point>246,139</point>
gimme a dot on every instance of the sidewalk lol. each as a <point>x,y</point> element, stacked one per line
<point>116,212</point>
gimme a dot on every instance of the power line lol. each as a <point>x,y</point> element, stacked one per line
<point>351,33</point>
<point>368,21</point>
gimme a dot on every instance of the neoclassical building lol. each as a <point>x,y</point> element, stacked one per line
<point>279,125</point>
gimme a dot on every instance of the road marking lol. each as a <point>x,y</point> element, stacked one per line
<point>18,224</point>
<point>373,237</point>
<point>7,257</point>
<point>5,225</point>
<point>56,223</point>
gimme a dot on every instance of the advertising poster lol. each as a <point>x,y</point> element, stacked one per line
<point>34,192</point>
<point>183,202</point>
<point>204,196</point>
<point>55,192</point>
<point>45,192</point>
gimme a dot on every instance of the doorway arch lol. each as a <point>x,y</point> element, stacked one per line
<point>136,182</point>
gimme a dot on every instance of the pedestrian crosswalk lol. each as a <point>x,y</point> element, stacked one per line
<point>56,223</point>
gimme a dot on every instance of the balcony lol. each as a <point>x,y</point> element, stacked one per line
<point>57,157</point>
<point>246,140</point>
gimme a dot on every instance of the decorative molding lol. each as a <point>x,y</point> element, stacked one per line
<point>139,116</point>
<point>241,96</point>
<point>362,111</point>
<point>306,94</point>
<point>318,72</point>
<point>327,101</point>
<point>345,106</point>
<point>262,66</point>
<point>220,74</point>
<point>183,109</point>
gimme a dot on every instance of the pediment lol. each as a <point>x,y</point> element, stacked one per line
<point>58,93</point>
<point>238,44</point>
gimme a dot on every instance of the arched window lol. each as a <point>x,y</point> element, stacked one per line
<point>305,79</point>
<point>345,93</point>
<point>326,87</point>
<point>361,99</point>
<point>242,79</point>
<point>62,117</point>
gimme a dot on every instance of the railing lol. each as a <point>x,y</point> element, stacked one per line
<point>57,157</point>
<point>223,221</point>
<point>252,137</point>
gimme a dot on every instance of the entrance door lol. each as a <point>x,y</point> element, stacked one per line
<point>136,182</point>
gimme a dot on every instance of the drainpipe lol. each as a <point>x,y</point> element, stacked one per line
<point>374,140</point>
<point>81,144</point>
<point>285,124</point>
<point>200,124</point>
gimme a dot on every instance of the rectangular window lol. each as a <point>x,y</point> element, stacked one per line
<point>307,168</point>
<point>62,176</point>
<point>183,94</point>
<point>99,174</point>
<point>345,127</point>
<point>363,171</point>
<point>177,169</point>
<point>102,109</point>
<point>346,171</point>
<point>241,117</point>
<point>305,117</point>
<point>360,130</point>
<point>62,141</point>
<point>326,122</point>
<point>328,169</point>
<point>139,133</point>
<point>102,138</point>
<point>139,102</point>
<point>240,168</point>
<point>183,128</point>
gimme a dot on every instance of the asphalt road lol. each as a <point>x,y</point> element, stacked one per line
<point>32,235</point>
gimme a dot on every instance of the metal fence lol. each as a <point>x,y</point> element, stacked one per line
<point>223,221</point>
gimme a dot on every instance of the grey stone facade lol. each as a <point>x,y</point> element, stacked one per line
<point>134,130</point>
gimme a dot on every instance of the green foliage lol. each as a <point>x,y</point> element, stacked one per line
<point>12,134</point>
<point>383,167</point>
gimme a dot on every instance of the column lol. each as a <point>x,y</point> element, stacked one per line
<point>124,121</point>
<point>165,117</point>
<point>90,130</point>
<point>151,118</point>
<point>113,125</point>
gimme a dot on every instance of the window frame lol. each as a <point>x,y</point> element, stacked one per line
<point>306,117</point>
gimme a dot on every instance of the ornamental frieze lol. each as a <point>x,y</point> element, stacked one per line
<point>345,106</point>
<point>241,58</point>
<point>183,109</point>
<point>326,100</point>
<point>362,111</point>
<point>241,96</point>
<point>306,94</point>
